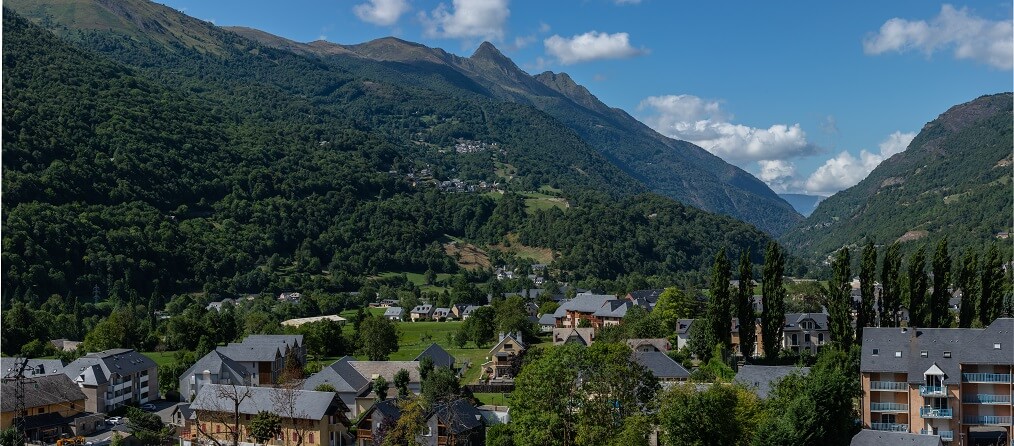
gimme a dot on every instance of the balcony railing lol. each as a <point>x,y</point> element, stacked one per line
<point>888,386</point>
<point>888,407</point>
<point>987,399</point>
<point>990,420</point>
<point>893,427</point>
<point>925,390</point>
<point>932,412</point>
<point>944,435</point>
<point>986,378</point>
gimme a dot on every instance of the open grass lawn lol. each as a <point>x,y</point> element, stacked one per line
<point>537,201</point>
<point>161,358</point>
<point>420,280</point>
<point>494,399</point>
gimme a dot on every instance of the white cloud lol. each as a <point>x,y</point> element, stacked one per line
<point>971,37</point>
<point>591,45</point>
<point>381,12</point>
<point>780,175</point>
<point>468,18</point>
<point>704,123</point>
<point>845,170</point>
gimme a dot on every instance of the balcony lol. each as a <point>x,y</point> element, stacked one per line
<point>988,420</point>
<point>892,427</point>
<point>888,407</point>
<point>888,386</point>
<point>987,399</point>
<point>932,412</point>
<point>944,435</point>
<point>925,390</point>
<point>986,378</point>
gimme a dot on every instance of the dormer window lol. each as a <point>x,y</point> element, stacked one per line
<point>996,346</point>
<point>897,354</point>
<point>876,352</point>
<point>924,354</point>
<point>947,354</point>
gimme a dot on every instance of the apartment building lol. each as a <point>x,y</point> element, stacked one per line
<point>112,378</point>
<point>951,382</point>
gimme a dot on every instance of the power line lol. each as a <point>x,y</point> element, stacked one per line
<point>16,375</point>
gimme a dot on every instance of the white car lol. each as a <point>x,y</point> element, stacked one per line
<point>148,406</point>
<point>114,420</point>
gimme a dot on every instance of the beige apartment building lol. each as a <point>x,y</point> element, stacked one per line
<point>951,382</point>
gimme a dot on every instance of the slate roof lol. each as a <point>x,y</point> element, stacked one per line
<point>291,341</point>
<point>649,295</point>
<point>661,365</point>
<point>35,366</point>
<point>387,369</point>
<point>44,390</point>
<point>981,349</point>
<point>423,309</point>
<point>660,344</point>
<point>911,342</point>
<point>96,368</point>
<point>341,375</point>
<point>613,308</point>
<point>547,319</point>
<point>243,352</point>
<point>762,378</point>
<point>388,408</point>
<point>586,303</point>
<point>393,312</point>
<point>684,326</point>
<point>585,336</point>
<point>219,364</point>
<point>792,321</point>
<point>310,405</point>
<point>459,416</point>
<point>868,437</point>
<point>439,356</point>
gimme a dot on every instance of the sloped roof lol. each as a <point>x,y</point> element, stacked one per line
<point>310,405</point>
<point>243,352</point>
<point>120,361</point>
<point>583,335</point>
<point>649,295</point>
<point>547,319</point>
<point>217,363</point>
<point>981,349</point>
<point>422,309</point>
<point>459,416</point>
<point>35,367</point>
<point>614,308</point>
<point>43,390</point>
<point>661,344</point>
<point>868,437</point>
<point>387,369</point>
<point>340,375</point>
<point>661,365</point>
<point>684,326</point>
<point>586,303</point>
<point>762,378</point>
<point>911,343</point>
<point>792,320</point>
<point>439,356</point>
<point>393,311</point>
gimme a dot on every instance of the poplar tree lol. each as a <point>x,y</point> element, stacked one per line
<point>773,292</point>
<point>917,284</point>
<point>967,281</point>
<point>840,300</point>
<point>890,292</point>
<point>939,313</point>
<point>720,306</point>
<point>991,286</point>
<point>744,310</point>
<point>866,316</point>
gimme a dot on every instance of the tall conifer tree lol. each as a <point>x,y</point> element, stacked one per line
<point>840,300</point>
<point>866,316</point>
<point>744,310</point>
<point>890,281</point>
<point>939,314</point>
<point>917,284</point>
<point>773,292</point>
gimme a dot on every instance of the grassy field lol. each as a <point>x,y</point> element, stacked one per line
<point>495,399</point>
<point>161,358</point>
<point>419,279</point>
<point>540,255</point>
<point>538,201</point>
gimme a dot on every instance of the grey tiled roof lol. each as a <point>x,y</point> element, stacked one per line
<point>422,309</point>
<point>244,352</point>
<point>44,390</point>
<point>459,416</point>
<point>35,366</point>
<point>649,295</point>
<point>341,375</point>
<point>217,363</point>
<point>439,356</point>
<point>547,319</point>
<point>97,368</point>
<point>981,350</point>
<point>310,405</point>
<point>684,326</point>
<point>613,308</point>
<point>792,320</point>
<point>387,369</point>
<point>661,365</point>
<point>868,437</point>
<point>393,312</point>
<point>586,303</point>
<point>763,378</point>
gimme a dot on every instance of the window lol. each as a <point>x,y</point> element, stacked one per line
<point>876,352</point>
<point>311,438</point>
<point>294,436</point>
<point>820,338</point>
<point>897,354</point>
<point>924,354</point>
<point>996,346</point>
<point>806,338</point>
<point>508,347</point>
<point>795,340</point>
<point>947,354</point>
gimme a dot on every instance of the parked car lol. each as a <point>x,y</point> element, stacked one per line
<point>148,406</point>
<point>114,420</point>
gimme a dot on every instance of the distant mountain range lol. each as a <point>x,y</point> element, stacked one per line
<point>803,203</point>
<point>953,180</point>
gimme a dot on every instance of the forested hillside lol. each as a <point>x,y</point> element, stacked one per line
<point>954,180</point>
<point>146,167</point>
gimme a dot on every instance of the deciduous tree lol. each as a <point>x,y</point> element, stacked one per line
<point>890,293</point>
<point>917,284</point>
<point>744,306</point>
<point>840,300</point>
<point>867,316</point>
<point>940,315</point>
<point>773,292</point>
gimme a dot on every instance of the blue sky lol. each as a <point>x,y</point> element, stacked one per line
<point>808,96</point>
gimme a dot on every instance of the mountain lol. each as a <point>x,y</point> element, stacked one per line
<point>674,168</point>
<point>803,203</point>
<point>146,167</point>
<point>953,180</point>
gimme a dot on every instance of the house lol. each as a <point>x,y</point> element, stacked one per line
<point>441,314</point>
<point>504,358</point>
<point>468,311</point>
<point>218,306</point>
<point>650,345</point>
<point>457,311</point>
<point>213,368</point>
<point>113,378</point>
<point>665,369</point>
<point>583,336</point>
<point>868,437</point>
<point>531,308</point>
<point>306,320</point>
<point>265,356</point>
<point>65,345</point>
<point>547,322</point>
<point>452,423</point>
<point>307,417</point>
<point>805,332</point>
<point>182,418</point>
<point>762,379</point>
<point>645,298</point>
<point>421,313</point>
<point>950,382</point>
<point>492,414</point>
<point>348,383</point>
<point>54,405</point>
<point>394,313</point>
<point>439,356</point>
<point>386,303</point>
<point>289,297</point>
<point>595,310</point>
<point>35,367</point>
<point>683,332</point>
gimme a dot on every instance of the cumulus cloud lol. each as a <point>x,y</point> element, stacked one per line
<point>381,12</point>
<point>971,37</point>
<point>846,170</point>
<point>591,45</point>
<point>780,175</point>
<point>467,19</point>
<point>703,122</point>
